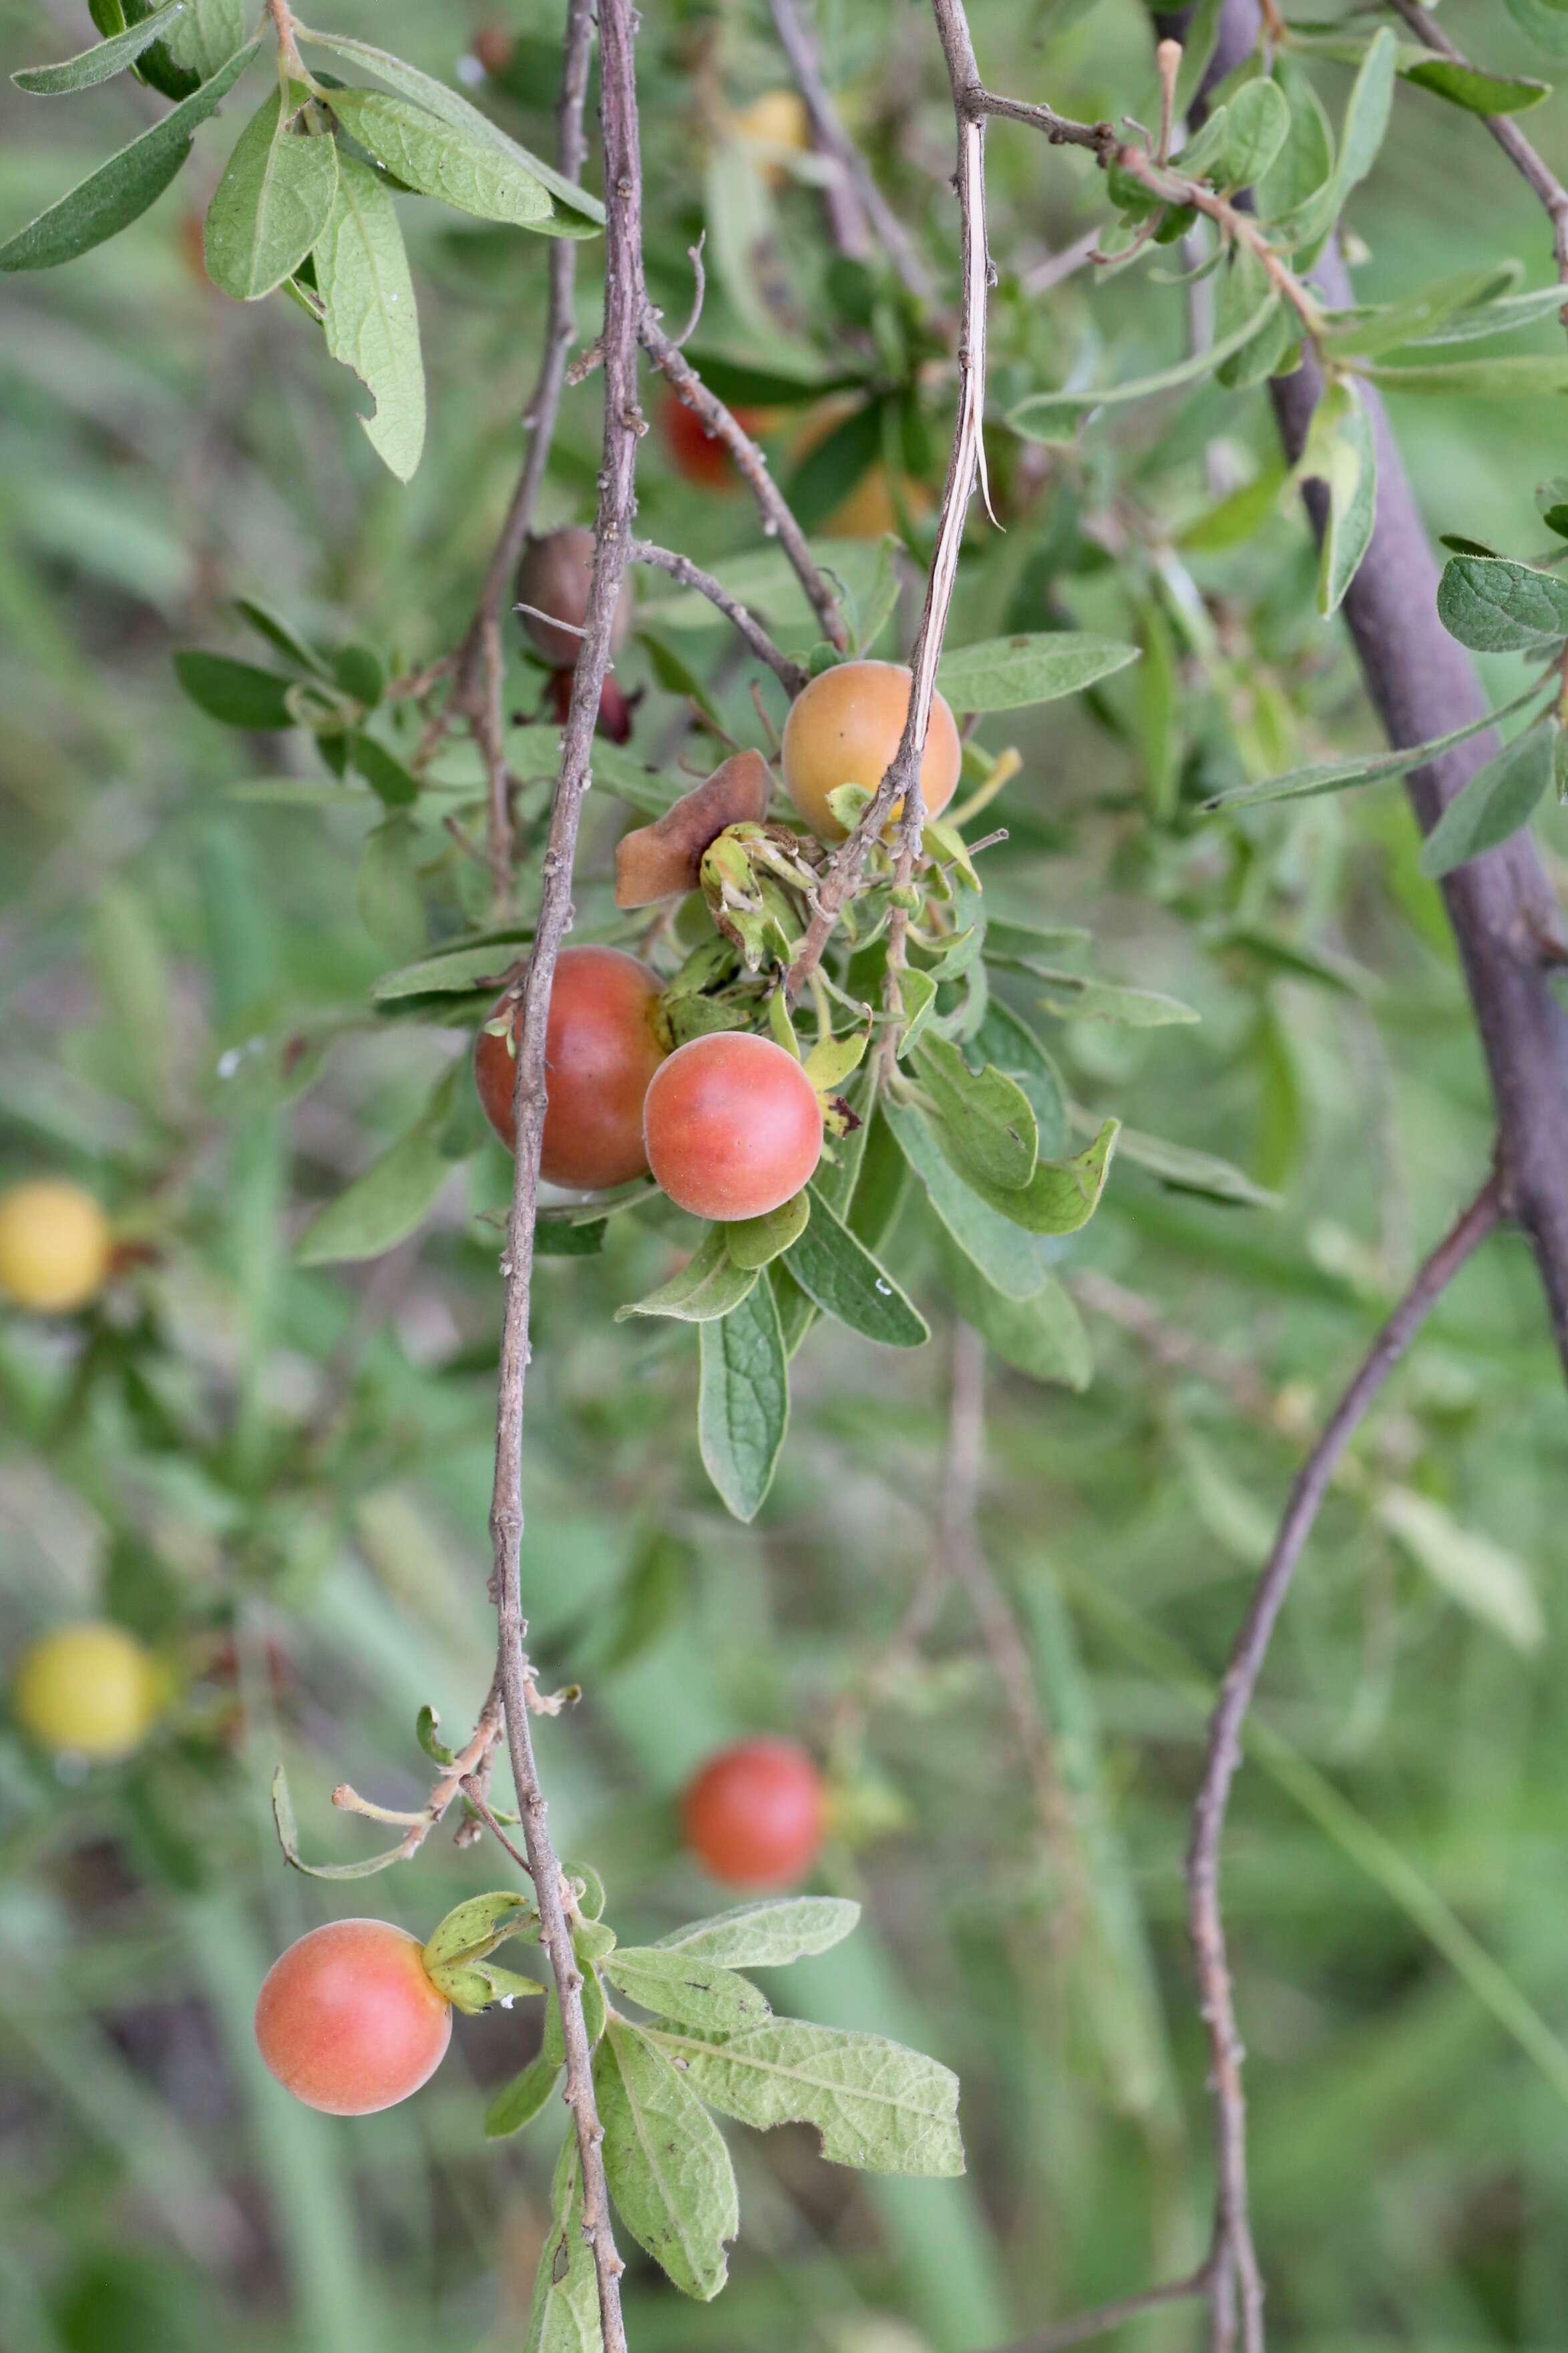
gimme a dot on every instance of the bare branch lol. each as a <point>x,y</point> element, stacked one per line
<point>790,675</point>
<point>480,666</point>
<point>1232,2227</point>
<point>967,465</point>
<point>778,521</point>
<point>1104,2317</point>
<point>624,301</point>
<point>857,202</point>
<point>1526,160</point>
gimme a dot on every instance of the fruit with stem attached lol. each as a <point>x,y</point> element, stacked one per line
<point>348,2019</point>
<point>55,1247</point>
<point>602,1048</point>
<point>734,1126</point>
<point>844,728</point>
<point>755,1814</point>
<point>88,1690</point>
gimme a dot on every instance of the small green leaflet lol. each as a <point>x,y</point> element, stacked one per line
<point>526,2096</point>
<point>1053,416</point>
<point>587,212</point>
<point>991,1242</point>
<point>1420,317</point>
<point>97,64</point>
<point>1466,85</point>
<point>1496,607</point>
<point>742,1407</point>
<point>236,693</point>
<point>271,205</point>
<point>1524,376</point>
<point>668,2169</point>
<point>1498,802</point>
<point>767,1934</point>
<point>686,1986</point>
<point>205,38</point>
<point>708,1286</point>
<point>119,191</point>
<point>564,2315</point>
<point>457,974</point>
<point>1258,123</point>
<point>1338,775</point>
<point>1060,1197</point>
<point>1497,318</point>
<point>1544,21</point>
<point>1076,997</point>
<point>1185,1171</point>
<point>371,322</point>
<point>1015,673</point>
<point>1340,454</point>
<point>839,1274</point>
<point>876,2105</point>
<point>755,1243</point>
<point>457,168</point>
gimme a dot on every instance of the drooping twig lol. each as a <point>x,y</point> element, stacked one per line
<point>1232,2226</point>
<point>860,202</point>
<point>1526,160</point>
<point>478,665</point>
<point>965,466</point>
<point>623,300</point>
<point>778,521</point>
<point>790,675</point>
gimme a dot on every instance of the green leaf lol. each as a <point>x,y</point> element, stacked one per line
<point>1185,1171</point>
<point>119,191</point>
<point>1306,162</point>
<point>875,2105</point>
<point>1338,775</point>
<point>97,64</point>
<point>1465,85</point>
<point>987,1114</point>
<point>272,204</point>
<point>1053,416</point>
<point>1493,1585</point>
<point>456,974</point>
<point>394,784</point>
<point>564,2315</point>
<point>235,692</point>
<point>371,322</point>
<point>396,1194</point>
<point>518,2103</point>
<point>1258,121</point>
<point>710,1285</point>
<point>1524,377</point>
<point>665,2158</point>
<point>991,1242</point>
<point>755,1243</point>
<point>1367,113</point>
<point>439,159</point>
<point>743,1402</point>
<point>1340,454</point>
<point>684,1986</point>
<point>1060,1197</point>
<point>1043,1336</point>
<point>917,995</point>
<point>839,1274</point>
<point>1075,997</point>
<point>768,1934</point>
<point>1498,802</point>
<point>1500,317</point>
<point>281,635</point>
<point>1007,1040</point>
<point>474,1987</point>
<point>1389,326</point>
<point>205,39</point>
<point>476,1926</point>
<point>288,1840</point>
<point>1544,22</point>
<point>1015,673</point>
<point>1496,607</point>
<point>459,115</point>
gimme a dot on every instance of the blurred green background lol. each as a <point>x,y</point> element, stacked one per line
<point>280,1477</point>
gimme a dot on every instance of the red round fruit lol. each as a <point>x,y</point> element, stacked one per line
<point>754,1814</point>
<point>348,2020</point>
<point>696,453</point>
<point>734,1126</point>
<point>601,1050</point>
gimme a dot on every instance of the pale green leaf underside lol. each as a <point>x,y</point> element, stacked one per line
<point>92,66</point>
<point>668,2169</point>
<point>564,2315</point>
<point>361,276</point>
<point>688,1986</point>
<point>767,1934</point>
<point>455,166</point>
<point>876,2106</point>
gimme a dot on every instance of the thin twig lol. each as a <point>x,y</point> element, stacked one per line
<point>480,665</point>
<point>1237,225</point>
<point>790,675</point>
<point>475,1794</point>
<point>860,204</point>
<point>967,465</point>
<point>1169,1345</point>
<point>1526,160</point>
<point>1103,2318</point>
<point>1102,139</point>
<point>624,301</point>
<point>778,521</point>
<point>1233,2233</point>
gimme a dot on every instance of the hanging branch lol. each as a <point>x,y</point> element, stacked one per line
<point>624,301</point>
<point>859,204</point>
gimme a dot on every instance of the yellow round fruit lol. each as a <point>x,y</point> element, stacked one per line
<point>843,729</point>
<point>777,118</point>
<point>89,1690</point>
<point>54,1246</point>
